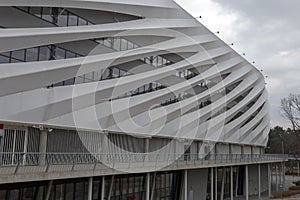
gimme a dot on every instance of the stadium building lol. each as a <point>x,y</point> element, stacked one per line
<point>127,100</point>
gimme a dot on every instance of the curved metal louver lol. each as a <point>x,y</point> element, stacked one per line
<point>136,67</point>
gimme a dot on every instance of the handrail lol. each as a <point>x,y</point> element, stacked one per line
<point>32,159</point>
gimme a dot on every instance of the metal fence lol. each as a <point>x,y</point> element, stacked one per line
<point>33,159</point>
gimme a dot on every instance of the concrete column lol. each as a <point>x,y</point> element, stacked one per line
<point>247,182</point>
<point>49,190</point>
<point>185,197</point>
<point>237,182</point>
<point>216,183</point>
<point>103,188</point>
<point>90,189</point>
<point>269,180</point>
<point>147,142</point>
<point>212,184</point>
<point>148,187</point>
<point>280,173</point>
<point>43,147</point>
<point>276,177</point>
<point>259,182</point>
<point>111,187</point>
<point>153,186</point>
<point>223,183</point>
<point>298,168</point>
<point>283,175</point>
<point>231,183</point>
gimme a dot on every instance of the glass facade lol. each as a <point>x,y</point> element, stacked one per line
<point>124,187</point>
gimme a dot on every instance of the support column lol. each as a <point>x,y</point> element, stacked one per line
<point>49,190</point>
<point>270,180</point>
<point>259,182</point>
<point>111,187</point>
<point>103,188</point>
<point>298,168</point>
<point>276,176</point>
<point>231,183</point>
<point>90,189</point>
<point>212,184</point>
<point>216,183</point>
<point>247,182</point>
<point>237,182</point>
<point>223,183</point>
<point>153,186</point>
<point>185,185</point>
<point>148,187</point>
<point>43,147</point>
<point>283,175</point>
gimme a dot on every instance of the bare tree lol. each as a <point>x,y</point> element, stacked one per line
<point>291,111</point>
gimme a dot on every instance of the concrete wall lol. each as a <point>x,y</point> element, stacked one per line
<point>222,149</point>
<point>236,149</point>
<point>197,184</point>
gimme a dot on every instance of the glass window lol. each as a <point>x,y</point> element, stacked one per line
<point>72,21</point>
<point>37,11</point>
<point>82,22</point>
<point>19,55</point>
<point>60,53</point>
<point>70,54</point>
<point>62,19</point>
<point>44,53</point>
<point>23,8</point>
<point>4,59</point>
<point>47,12</point>
<point>32,54</point>
<point>70,81</point>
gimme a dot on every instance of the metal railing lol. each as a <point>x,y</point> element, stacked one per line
<point>32,159</point>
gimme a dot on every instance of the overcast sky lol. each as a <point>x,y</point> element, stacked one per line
<point>268,31</point>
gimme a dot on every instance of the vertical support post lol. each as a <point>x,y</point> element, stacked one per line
<point>103,188</point>
<point>280,173</point>
<point>90,189</point>
<point>223,183</point>
<point>111,187</point>
<point>276,176</point>
<point>270,180</point>
<point>237,182</point>
<point>259,182</point>
<point>231,183</point>
<point>49,190</point>
<point>298,168</point>
<point>212,184</point>
<point>25,146</point>
<point>148,187</point>
<point>153,186</point>
<point>283,175</point>
<point>43,147</point>
<point>247,182</point>
<point>185,185</point>
<point>216,183</point>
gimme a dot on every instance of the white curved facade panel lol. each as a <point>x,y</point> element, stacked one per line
<point>143,68</point>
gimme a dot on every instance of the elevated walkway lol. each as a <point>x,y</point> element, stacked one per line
<point>51,166</point>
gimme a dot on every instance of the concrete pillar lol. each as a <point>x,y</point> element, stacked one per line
<point>148,187</point>
<point>212,184</point>
<point>216,183</point>
<point>298,168</point>
<point>283,175</point>
<point>223,183</point>
<point>259,181</point>
<point>185,188</point>
<point>43,147</point>
<point>247,182</point>
<point>153,186</point>
<point>111,187</point>
<point>147,143</point>
<point>49,190</point>
<point>103,188</point>
<point>276,177</point>
<point>269,180</point>
<point>90,189</point>
<point>231,183</point>
<point>237,181</point>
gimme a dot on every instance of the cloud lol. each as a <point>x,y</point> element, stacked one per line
<point>267,31</point>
